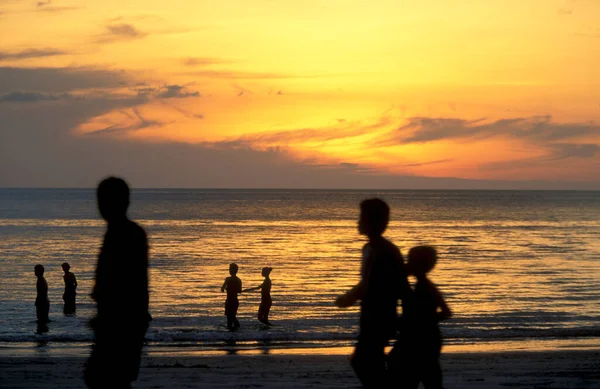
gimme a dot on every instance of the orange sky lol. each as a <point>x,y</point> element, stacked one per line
<point>468,89</point>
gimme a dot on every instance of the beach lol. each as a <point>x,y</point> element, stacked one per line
<point>515,369</point>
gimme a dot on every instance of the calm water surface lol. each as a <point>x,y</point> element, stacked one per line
<point>514,265</point>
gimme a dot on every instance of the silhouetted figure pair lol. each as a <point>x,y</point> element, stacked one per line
<point>415,357</point>
<point>70,293</point>
<point>383,281</point>
<point>233,286</point>
<point>120,292</point>
<point>42,303</point>
<point>265,296</point>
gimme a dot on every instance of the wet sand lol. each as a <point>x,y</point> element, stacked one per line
<point>524,369</point>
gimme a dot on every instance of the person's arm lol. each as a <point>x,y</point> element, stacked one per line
<point>74,281</point>
<point>357,292</point>
<point>444,313</point>
<point>224,285</point>
<point>253,289</point>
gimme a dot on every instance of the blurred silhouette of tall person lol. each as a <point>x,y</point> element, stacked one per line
<point>120,292</point>
<point>70,293</point>
<point>383,281</point>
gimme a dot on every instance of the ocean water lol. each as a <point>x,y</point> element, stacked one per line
<point>514,265</point>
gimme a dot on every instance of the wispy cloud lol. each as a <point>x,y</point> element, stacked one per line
<point>120,32</point>
<point>173,91</point>
<point>47,6</point>
<point>130,121</point>
<point>31,53</point>
<point>59,80</point>
<point>32,97</point>
<point>201,61</point>
<point>539,128</point>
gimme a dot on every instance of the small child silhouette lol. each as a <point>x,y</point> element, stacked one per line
<point>429,309</point>
<point>233,285</point>
<point>42,304</point>
<point>70,289</point>
<point>265,296</point>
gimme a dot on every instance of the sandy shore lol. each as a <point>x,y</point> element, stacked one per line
<point>547,369</point>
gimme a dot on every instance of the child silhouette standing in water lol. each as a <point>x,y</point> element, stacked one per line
<point>265,296</point>
<point>422,358</point>
<point>233,285</point>
<point>70,287</point>
<point>42,304</point>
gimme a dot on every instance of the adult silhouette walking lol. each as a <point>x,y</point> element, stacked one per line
<point>120,292</point>
<point>383,281</point>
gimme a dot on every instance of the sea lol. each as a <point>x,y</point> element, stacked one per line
<point>516,267</point>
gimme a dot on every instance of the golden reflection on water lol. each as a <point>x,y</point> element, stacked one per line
<point>537,274</point>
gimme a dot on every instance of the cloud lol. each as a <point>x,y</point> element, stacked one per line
<point>46,6</point>
<point>536,129</point>
<point>132,120</point>
<point>58,159</point>
<point>120,32</point>
<point>175,91</point>
<point>31,53</point>
<point>340,131</point>
<point>59,80</point>
<point>201,61</point>
<point>426,163</point>
<point>32,97</point>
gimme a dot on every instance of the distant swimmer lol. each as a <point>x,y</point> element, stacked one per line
<point>233,286</point>
<point>70,290</point>
<point>265,296</point>
<point>42,303</point>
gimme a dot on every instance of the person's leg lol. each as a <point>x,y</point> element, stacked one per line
<point>432,374</point>
<point>402,367</point>
<point>368,362</point>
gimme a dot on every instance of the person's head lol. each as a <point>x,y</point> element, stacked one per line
<point>113,198</point>
<point>39,270</point>
<point>421,260</point>
<point>374,217</point>
<point>266,271</point>
<point>233,269</point>
<point>66,267</point>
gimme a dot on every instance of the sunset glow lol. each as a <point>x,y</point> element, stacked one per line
<point>474,90</point>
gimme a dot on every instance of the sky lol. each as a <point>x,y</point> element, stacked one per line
<point>444,94</point>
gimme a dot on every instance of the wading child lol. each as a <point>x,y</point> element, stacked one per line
<point>265,296</point>
<point>42,304</point>
<point>70,286</point>
<point>233,286</point>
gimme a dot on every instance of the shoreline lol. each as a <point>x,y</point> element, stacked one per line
<point>261,347</point>
<point>489,370</point>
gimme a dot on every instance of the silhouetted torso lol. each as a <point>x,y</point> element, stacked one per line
<point>265,290</point>
<point>233,285</point>
<point>121,289</point>
<point>70,286</point>
<point>385,281</point>
<point>41,287</point>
